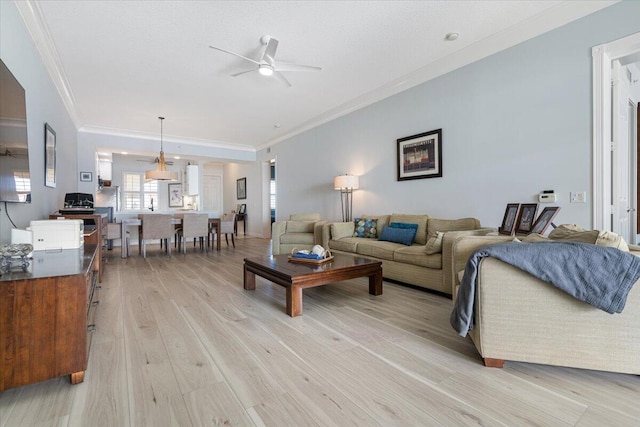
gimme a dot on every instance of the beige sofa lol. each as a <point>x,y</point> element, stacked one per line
<point>521,318</point>
<point>301,231</point>
<point>407,264</point>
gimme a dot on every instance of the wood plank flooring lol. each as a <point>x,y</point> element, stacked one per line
<point>180,343</point>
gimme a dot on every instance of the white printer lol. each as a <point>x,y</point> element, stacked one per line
<point>56,234</point>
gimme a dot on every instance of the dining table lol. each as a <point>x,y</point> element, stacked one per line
<point>177,220</point>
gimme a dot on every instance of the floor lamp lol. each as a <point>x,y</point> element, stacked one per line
<point>346,184</point>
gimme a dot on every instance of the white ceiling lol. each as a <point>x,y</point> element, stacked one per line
<point>124,63</point>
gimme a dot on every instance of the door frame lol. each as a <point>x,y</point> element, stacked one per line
<point>602,56</point>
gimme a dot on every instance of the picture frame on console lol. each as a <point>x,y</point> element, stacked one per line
<point>49,156</point>
<point>420,156</point>
<point>526,217</point>
<point>509,220</point>
<point>544,220</point>
<point>241,188</point>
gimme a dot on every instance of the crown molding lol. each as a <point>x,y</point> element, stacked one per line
<point>31,14</point>
<point>548,20</point>
<point>166,138</point>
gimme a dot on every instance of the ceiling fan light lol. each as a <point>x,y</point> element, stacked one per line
<point>265,70</point>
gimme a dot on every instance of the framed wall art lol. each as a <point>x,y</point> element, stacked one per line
<point>509,220</point>
<point>86,176</point>
<point>526,216</point>
<point>175,195</point>
<point>49,156</point>
<point>420,156</point>
<point>544,220</point>
<point>241,187</point>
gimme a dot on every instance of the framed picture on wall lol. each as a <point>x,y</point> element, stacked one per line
<point>526,216</point>
<point>86,176</point>
<point>241,187</point>
<point>420,156</point>
<point>509,219</point>
<point>175,195</point>
<point>49,156</point>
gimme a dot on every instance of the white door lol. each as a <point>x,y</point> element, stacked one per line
<point>212,193</point>
<point>621,209</point>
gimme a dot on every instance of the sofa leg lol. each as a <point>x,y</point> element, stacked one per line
<point>493,363</point>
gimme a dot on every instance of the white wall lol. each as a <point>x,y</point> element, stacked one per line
<point>44,105</point>
<point>514,124</point>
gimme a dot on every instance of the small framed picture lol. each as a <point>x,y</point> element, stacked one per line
<point>420,156</point>
<point>509,220</point>
<point>527,215</point>
<point>241,187</point>
<point>544,220</point>
<point>243,209</point>
<point>86,176</point>
<point>175,195</point>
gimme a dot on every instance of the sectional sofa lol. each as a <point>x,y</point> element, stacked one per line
<point>426,261</point>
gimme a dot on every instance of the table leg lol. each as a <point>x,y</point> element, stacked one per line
<point>375,283</point>
<point>249,279</point>
<point>294,300</point>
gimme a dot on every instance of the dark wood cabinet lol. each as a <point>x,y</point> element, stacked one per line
<point>46,317</point>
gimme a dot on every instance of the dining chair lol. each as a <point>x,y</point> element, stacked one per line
<point>156,226</point>
<point>196,226</point>
<point>226,226</point>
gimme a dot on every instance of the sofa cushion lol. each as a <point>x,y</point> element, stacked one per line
<point>452,225</point>
<point>346,244</point>
<point>434,244</point>
<point>341,229</point>
<point>613,240</point>
<point>304,217</point>
<point>421,220</point>
<point>377,248</point>
<point>415,255</point>
<point>366,227</point>
<point>297,238</point>
<point>300,226</point>
<point>534,238</point>
<point>398,235</point>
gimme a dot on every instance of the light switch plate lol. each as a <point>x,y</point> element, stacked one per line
<point>578,197</point>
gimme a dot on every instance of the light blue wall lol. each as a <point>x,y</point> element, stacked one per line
<point>44,105</point>
<point>514,124</point>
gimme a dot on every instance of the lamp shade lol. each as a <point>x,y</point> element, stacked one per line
<point>345,181</point>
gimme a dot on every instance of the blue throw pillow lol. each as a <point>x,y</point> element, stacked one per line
<point>404,225</point>
<point>398,235</point>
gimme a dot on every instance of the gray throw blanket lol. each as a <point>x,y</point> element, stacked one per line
<point>600,276</point>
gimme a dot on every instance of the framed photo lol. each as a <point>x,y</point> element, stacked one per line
<point>509,220</point>
<point>527,215</point>
<point>243,209</point>
<point>86,176</point>
<point>241,186</point>
<point>420,156</point>
<point>175,195</point>
<point>544,220</point>
<point>49,156</point>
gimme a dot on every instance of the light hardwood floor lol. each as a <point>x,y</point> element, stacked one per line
<point>179,342</point>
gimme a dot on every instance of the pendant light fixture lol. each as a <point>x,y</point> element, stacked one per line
<point>161,173</point>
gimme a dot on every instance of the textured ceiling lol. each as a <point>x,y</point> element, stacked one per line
<point>128,62</point>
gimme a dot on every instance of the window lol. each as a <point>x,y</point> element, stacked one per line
<point>138,194</point>
<point>23,184</point>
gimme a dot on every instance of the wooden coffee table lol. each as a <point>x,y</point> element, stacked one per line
<point>296,276</point>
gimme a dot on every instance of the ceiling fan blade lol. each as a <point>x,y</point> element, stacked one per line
<point>242,72</point>
<point>289,66</point>
<point>282,78</point>
<point>235,54</point>
<point>270,52</point>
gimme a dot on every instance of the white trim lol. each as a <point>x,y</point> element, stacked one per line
<point>603,55</point>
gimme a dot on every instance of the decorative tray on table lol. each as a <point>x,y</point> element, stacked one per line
<point>310,258</point>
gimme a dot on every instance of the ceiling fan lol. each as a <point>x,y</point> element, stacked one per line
<point>267,64</point>
<point>156,160</point>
